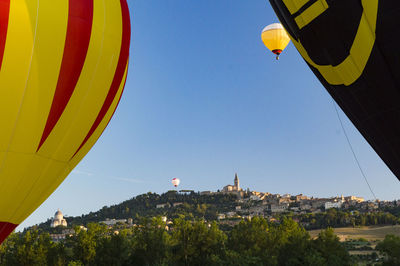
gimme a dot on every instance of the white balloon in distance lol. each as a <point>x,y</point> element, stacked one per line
<point>175,182</point>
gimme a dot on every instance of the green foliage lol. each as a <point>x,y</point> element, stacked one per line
<point>390,247</point>
<point>31,248</point>
<point>337,218</point>
<point>325,250</point>
<point>187,242</point>
<point>200,206</point>
<point>328,245</point>
<point>113,250</point>
<point>197,243</point>
<point>208,206</point>
<point>272,244</point>
<point>194,238</point>
<point>151,243</point>
<point>84,242</point>
<point>253,238</point>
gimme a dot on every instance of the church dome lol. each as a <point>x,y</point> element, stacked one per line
<point>58,215</point>
<point>58,219</point>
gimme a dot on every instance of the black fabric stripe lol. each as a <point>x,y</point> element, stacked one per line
<point>301,10</point>
<point>285,18</point>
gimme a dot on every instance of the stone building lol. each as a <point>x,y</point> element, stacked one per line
<point>58,220</point>
<point>234,188</point>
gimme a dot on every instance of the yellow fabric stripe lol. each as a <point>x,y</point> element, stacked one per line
<point>83,107</point>
<point>21,169</point>
<point>294,5</point>
<point>59,170</point>
<point>43,76</point>
<point>275,39</point>
<point>13,77</point>
<point>93,85</point>
<point>311,13</point>
<point>35,173</point>
<point>16,65</point>
<point>352,67</point>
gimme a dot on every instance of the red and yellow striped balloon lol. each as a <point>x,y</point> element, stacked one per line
<point>63,66</point>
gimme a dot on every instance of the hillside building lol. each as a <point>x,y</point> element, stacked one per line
<point>112,222</point>
<point>329,205</point>
<point>58,220</point>
<point>235,187</point>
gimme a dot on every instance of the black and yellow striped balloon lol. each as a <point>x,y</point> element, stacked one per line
<point>352,47</point>
<point>63,65</point>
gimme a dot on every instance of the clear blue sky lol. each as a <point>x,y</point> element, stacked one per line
<point>205,99</point>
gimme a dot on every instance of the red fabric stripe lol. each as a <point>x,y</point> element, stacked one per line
<point>5,230</point>
<point>119,72</point>
<point>119,99</point>
<point>4,13</point>
<point>79,28</point>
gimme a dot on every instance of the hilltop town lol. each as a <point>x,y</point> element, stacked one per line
<point>257,203</point>
<point>230,205</point>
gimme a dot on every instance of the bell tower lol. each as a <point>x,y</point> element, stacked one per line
<point>236,183</point>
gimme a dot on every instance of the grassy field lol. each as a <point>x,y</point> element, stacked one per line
<point>368,232</point>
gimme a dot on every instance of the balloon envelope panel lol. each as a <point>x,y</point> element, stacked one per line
<point>352,47</point>
<point>63,66</point>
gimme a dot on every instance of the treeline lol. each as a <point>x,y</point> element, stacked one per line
<point>195,204</point>
<point>188,242</point>
<point>209,206</point>
<point>337,218</point>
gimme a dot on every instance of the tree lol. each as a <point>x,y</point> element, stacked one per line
<point>298,250</point>
<point>390,247</point>
<point>252,239</point>
<point>329,246</point>
<point>197,243</point>
<point>151,243</point>
<point>30,248</point>
<point>84,242</point>
<point>114,249</point>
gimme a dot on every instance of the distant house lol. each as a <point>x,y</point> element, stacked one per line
<point>57,237</point>
<point>278,207</point>
<point>295,209</point>
<point>318,203</point>
<point>354,198</point>
<point>255,198</point>
<point>257,210</point>
<point>305,206</point>
<point>329,205</point>
<point>111,222</point>
<point>285,200</point>
<point>230,214</point>
<point>301,197</point>
<point>163,205</point>
<point>177,204</point>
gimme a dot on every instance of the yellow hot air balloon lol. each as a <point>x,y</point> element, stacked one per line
<point>63,66</point>
<point>275,38</point>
